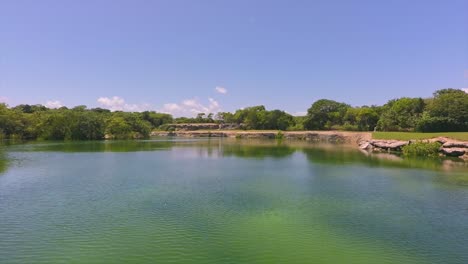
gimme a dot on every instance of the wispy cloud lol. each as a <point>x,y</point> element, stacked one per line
<point>301,113</point>
<point>191,107</point>
<point>116,103</point>
<point>221,90</point>
<point>53,104</point>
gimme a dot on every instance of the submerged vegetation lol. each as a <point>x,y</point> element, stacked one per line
<point>447,110</point>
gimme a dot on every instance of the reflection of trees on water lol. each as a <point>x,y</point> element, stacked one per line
<point>100,146</point>
<point>259,152</point>
<point>3,161</point>
<point>341,156</point>
<point>337,156</point>
<point>258,149</point>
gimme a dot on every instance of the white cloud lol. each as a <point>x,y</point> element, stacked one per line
<point>116,103</point>
<point>171,107</point>
<point>191,107</point>
<point>187,107</point>
<point>300,113</point>
<point>465,89</point>
<point>53,104</point>
<point>221,90</point>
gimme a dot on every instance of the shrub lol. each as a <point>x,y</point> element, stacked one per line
<point>279,135</point>
<point>296,127</point>
<point>349,127</point>
<point>166,127</point>
<point>439,124</point>
<point>420,148</point>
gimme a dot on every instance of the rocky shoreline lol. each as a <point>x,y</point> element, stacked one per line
<point>449,147</point>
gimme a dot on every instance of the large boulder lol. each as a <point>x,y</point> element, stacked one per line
<point>453,152</point>
<point>455,144</point>
<point>365,145</point>
<point>394,145</point>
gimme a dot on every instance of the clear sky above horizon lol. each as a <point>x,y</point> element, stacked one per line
<point>187,56</point>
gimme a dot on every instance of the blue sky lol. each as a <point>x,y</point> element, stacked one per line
<point>171,55</point>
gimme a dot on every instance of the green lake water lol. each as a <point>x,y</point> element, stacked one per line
<point>227,201</point>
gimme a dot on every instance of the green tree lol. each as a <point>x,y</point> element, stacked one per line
<point>277,119</point>
<point>447,111</point>
<point>156,119</point>
<point>401,114</point>
<point>325,114</point>
<point>361,118</point>
<point>55,125</point>
<point>118,127</point>
<point>88,126</point>
<point>224,117</point>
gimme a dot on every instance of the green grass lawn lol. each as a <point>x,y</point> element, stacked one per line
<point>416,135</point>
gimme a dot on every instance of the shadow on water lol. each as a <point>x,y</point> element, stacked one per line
<point>258,152</point>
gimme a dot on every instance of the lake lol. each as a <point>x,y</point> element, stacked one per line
<point>227,201</point>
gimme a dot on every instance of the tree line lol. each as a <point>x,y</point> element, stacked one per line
<point>447,110</point>
<point>78,123</point>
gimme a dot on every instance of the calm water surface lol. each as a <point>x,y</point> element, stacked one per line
<point>222,201</point>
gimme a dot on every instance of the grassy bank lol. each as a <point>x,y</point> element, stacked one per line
<point>415,135</point>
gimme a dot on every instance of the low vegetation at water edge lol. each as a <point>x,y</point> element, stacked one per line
<point>422,149</point>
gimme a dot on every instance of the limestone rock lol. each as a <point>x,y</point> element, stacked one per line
<point>441,140</point>
<point>453,152</point>
<point>455,144</point>
<point>365,145</point>
<point>389,144</point>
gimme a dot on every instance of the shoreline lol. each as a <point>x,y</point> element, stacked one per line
<point>362,140</point>
<point>323,136</point>
<point>340,137</point>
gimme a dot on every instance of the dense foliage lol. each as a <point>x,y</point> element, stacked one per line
<point>401,114</point>
<point>78,123</point>
<point>422,149</point>
<point>257,117</point>
<point>325,114</point>
<point>200,118</point>
<point>446,111</point>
